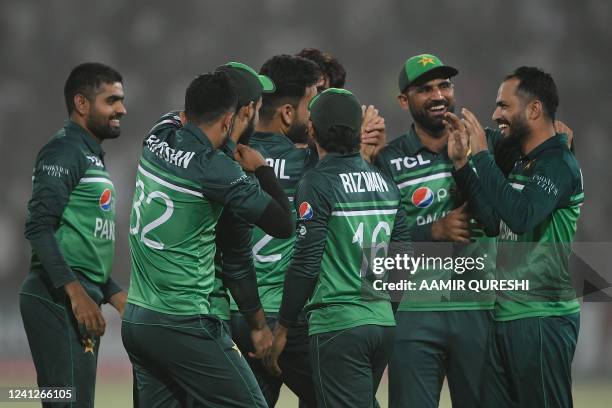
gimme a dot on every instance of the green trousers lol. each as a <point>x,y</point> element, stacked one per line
<point>61,356</point>
<point>432,345</point>
<point>529,363</point>
<point>348,365</point>
<point>294,361</point>
<point>186,361</point>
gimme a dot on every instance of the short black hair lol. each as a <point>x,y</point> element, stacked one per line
<point>338,139</point>
<point>328,64</point>
<point>86,79</point>
<point>537,84</point>
<point>292,75</point>
<point>208,97</point>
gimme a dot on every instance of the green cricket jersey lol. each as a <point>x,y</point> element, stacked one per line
<point>427,189</point>
<point>182,185</point>
<point>73,198</point>
<point>348,211</point>
<point>272,255</point>
<point>539,205</point>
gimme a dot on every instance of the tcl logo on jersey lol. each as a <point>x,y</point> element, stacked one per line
<point>409,162</point>
<point>106,199</point>
<point>306,212</point>
<point>422,197</point>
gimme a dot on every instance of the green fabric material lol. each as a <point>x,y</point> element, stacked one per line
<point>331,242</point>
<point>335,107</point>
<point>419,65</point>
<point>348,365</point>
<point>59,354</point>
<point>71,215</point>
<point>172,223</point>
<point>529,362</point>
<point>539,205</point>
<point>428,193</point>
<point>187,361</point>
<point>432,345</point>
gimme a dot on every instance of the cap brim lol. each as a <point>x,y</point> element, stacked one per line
<point>267,84</point>
<point>443,71</point>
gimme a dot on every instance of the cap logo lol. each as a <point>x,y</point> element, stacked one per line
<point>426,60</point>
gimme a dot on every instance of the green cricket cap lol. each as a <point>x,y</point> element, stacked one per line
<point>423,67</point>
<point>248,83</point>
<point>335,106</point>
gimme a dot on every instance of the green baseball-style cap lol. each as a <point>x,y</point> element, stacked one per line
<point>248,83</point>
<point>421,67</point>
<point>335,106</point>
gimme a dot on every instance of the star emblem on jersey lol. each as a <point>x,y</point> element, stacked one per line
<point>88,345</point>
<point>305,211</point>
<point>426,60</point>
<point>106,199</point>
<point>422,197</point>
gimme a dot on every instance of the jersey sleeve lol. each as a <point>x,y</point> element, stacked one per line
<point>479,205</point>
<point>171,119</point>
<point>550,181</point>
<point>225,182</point>
<point>57,171</point>
<point>313,207</point>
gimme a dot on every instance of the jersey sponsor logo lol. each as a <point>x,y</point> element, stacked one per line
<point>302,231</point>
<point>306,212</point>
<point>106,199</point>
<point>422,197</point>
<point>95,160</point>
<point>409,162</point>
<point>55,170</point>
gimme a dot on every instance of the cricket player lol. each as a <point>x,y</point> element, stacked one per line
<point>71,228</point>
<point>346,207</point>
<point>534,337</point>
<point>282,138</point>
<point>439,332</point>
<point>180,352</point>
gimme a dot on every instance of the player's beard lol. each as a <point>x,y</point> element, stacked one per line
<point>434,125</point>
<point>100,127</point>
<point>248,132</point>
<point>298,132</point>
<point>519,130</point>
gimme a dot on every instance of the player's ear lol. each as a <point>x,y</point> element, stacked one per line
<point>311,131</point>
<point>81,104</point>
<point>226,122</point>
<point>402,99</point>
<point>535,109</point>
<point>287,114</point>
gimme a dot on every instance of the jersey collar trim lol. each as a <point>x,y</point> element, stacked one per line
<point>73,129</point>
<point>559,139</point>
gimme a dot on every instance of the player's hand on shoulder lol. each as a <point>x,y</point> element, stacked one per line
<point>262,342</point>
<point>248,158</point>
<point>561,127</point>
<point>85,310</point>
<point>453,227</point>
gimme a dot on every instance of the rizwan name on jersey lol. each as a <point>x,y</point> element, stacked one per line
<point>363,181</point>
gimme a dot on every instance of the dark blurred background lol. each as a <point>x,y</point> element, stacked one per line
<point>159,46</point>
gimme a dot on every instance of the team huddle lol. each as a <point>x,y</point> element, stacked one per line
<point>258,209</point>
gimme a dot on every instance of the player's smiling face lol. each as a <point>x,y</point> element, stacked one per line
<point>509,113</point>
<point>429,102</point>
<point>106,110</point>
